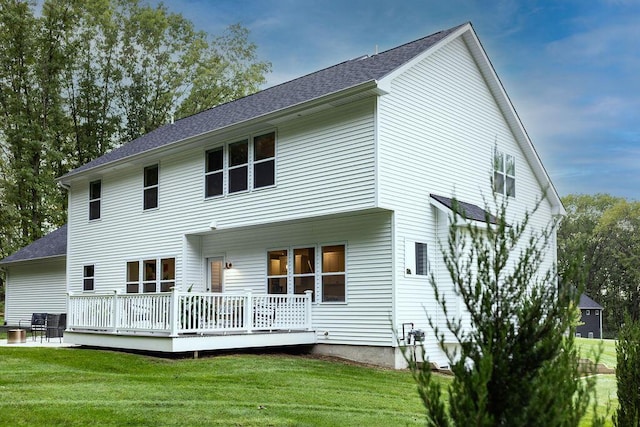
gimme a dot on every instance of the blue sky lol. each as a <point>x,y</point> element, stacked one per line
<point>570,67</point>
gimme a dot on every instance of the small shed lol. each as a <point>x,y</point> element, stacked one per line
<point>36,278</point>
<point>591,318</point>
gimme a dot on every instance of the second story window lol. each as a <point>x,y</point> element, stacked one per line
<point>150,187</point>
<point>504,173</point>
<point>214,173</point>
<point>238,166</point>
<point>95,196</point>
<point>264,160</point>
<point>243,165</point>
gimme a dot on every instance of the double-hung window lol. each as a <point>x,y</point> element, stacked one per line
<point>333,274</point>
<point>264,160</point>
<point>214,172</point>
<point>243,165</point>
<point>151,275</point>
<point>88,278</point>
<point>150,191</point>
<point>504,173</point>
<point>238,166</point>
<point>95,196</point>
<point>304,278</point>
<point>277,268</point>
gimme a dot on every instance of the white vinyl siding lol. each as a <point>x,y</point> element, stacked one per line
<point>437,129</point>
<point>35,287</point>
<point>364,318</point>
<point>325,165</point>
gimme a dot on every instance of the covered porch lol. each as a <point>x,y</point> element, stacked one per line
<point>179,321</point>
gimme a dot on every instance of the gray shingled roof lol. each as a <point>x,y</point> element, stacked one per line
<point>466,210</point>
<point>52,245</point>
<point>588,303</point>
<point>330,80</point>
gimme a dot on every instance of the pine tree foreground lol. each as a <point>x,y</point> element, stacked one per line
<point>516,363</point>
<point>628,374</point>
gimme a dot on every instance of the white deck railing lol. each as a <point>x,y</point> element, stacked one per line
<point>175,313</point>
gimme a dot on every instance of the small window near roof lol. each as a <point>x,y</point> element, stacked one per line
<point>504,173</point>
<point>588,313</point>
<point>95,196</point>
<point>597,312</point>
<point>151,187</point>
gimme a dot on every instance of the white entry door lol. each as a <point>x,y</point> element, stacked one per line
<point>216,274</point>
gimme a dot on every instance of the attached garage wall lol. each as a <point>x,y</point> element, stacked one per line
<point>35,287</point>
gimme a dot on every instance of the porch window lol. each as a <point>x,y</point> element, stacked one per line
<point>238,166</point>
<point>304,277</point>
<point>95,196</point>
<point>264,160</point>
<point>213,176</point>
<point>333,274</point>
<point>150,191</point>
<point>504,173</point>
<point>88,278</point>
<point>277,271</point>
<point>133,277</point>
<point>149,280</point>
<point>151,275</point>
<point>168,279</point>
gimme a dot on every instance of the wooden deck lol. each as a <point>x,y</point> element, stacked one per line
<point>184,321</point>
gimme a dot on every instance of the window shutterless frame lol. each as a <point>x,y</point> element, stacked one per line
<point>150,275</point>
<point>95,198</point>
<point>88,277</point>
<point>150,187</point>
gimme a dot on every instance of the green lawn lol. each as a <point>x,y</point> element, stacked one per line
<point>588,347</point>
<point>41,386</point>
<point>44,386</point>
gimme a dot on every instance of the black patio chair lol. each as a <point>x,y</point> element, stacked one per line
<point>56,324</point>
<point>38,325</point>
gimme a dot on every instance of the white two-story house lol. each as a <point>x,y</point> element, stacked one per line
<point>308,213</point>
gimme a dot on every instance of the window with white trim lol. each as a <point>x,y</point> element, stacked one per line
<point>151,275</point>
<point>588,312</point>
<point>150,189</point>
<point>300,269</point>
<point>241,166</point>
<point>95,197</point>
<point>333,273</point>
<point>238,166</point>
<point>504,173</point>
<point>88,277</point>
<point>416,258</point>
<point>277,271</point>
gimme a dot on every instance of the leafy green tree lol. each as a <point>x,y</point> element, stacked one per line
<point>628,374</point>
<point>81,77</point>
<point>516,362</point>
<point>602,233</point>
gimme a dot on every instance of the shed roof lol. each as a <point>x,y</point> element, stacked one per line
<point>52,245</point>
<point>588,303</point>
<point>313,86</point>
<point>466,210</point>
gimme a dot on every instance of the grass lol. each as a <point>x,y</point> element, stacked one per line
<point>589,347</point>
<point>44,386</point>
<point>92,387</point>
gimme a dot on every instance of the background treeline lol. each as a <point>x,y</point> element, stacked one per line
<point>80,77</point>
<point>602,233</point>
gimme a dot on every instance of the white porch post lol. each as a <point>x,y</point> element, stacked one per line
<point>307,306</point>
<point>248,311</point>
<point>115,319</point>
<point>174,315</point>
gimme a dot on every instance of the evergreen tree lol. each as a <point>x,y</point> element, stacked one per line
<point>516,362</point>
<point>628,374</point>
